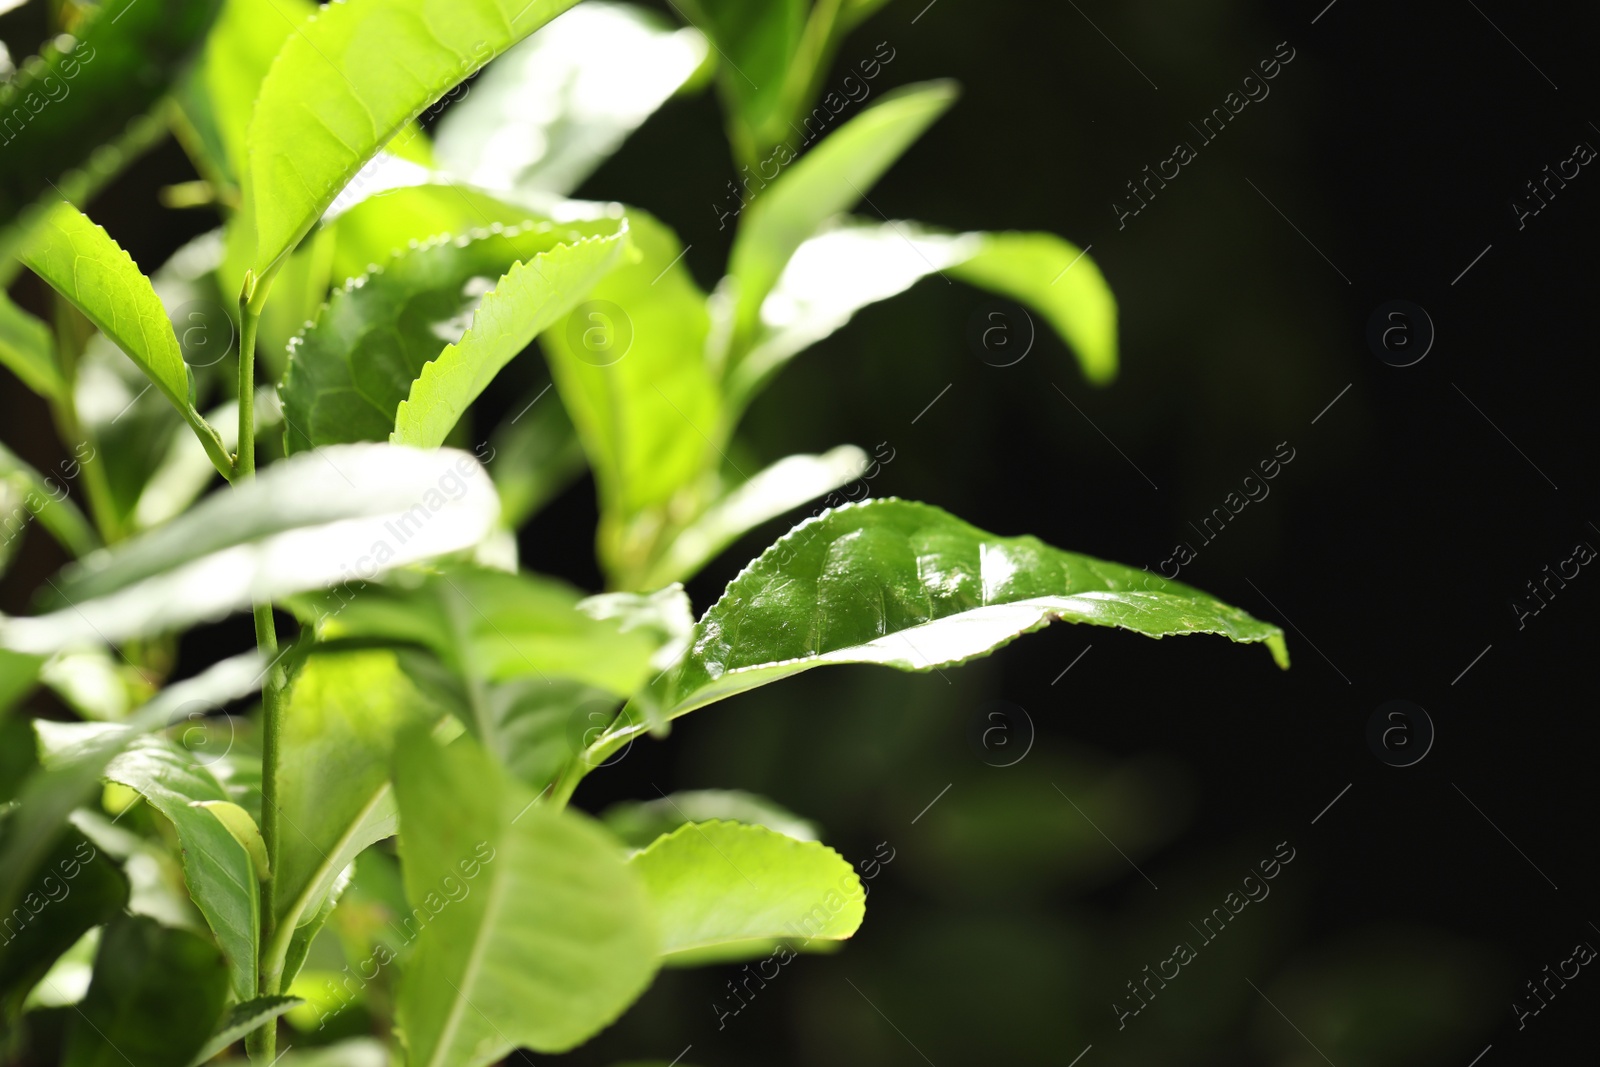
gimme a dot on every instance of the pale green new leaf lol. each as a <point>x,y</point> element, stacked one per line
<point>553,937</point>
<point>639,822</point>
<point>347,82</point>
<point>786,484</point>
<point>28,350</point>
<point>910,586</point>
<point>351,369</point>
<point>345,711</point>
<point>631,368</point>
<point>830,178</point>
<point>311,521</point>
<point>531,297</point>
<point>843,269</point>
<point>757,42</point>
<point>80,261</point>
<point>554,107</point>
<point>725,891</point>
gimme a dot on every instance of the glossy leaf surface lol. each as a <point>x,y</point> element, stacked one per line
<point>552,936</point>
<point>351,369</point>
<point>640,822</point>
<point>909,586</point>
<point>732,889</point>
<point>347,82</point>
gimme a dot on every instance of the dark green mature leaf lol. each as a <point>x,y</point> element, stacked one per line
<point>310,521</point>
<point>727,889</point>
<point>76,888</point>
<point>46,500</point>
<point>156,996</point>
<point>841,270</point>
<point>351,369</point>
<point>82,263</point>
<point>829,179</point>
<point>18,675</point>
<point>241,1019</point>
<point>631,368</point>
<point>539,934</point>
<point>638,823</point>
<point>28,350</point>
<point>60,110</point>
<point>756,43</point>
<point>347,82</point>
<point>217,869</point>
<point>532,296</point>
<point>550,110</point>
<point>910,586</point>
<point>343,716</point>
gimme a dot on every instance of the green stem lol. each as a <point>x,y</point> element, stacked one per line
<point>262,1043</point>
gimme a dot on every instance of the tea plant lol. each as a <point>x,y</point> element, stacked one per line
<point>415,682</point>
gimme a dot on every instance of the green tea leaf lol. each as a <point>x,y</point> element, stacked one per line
<point>77,888</point>
<point>28,350</point>
<point>47,501</point>
<point>154,1000</point>
<point>216,866</point>
<point>351,369</point>
<point>346,84</point>
<point>829,179</point>
<point>238,823</point>
<point>631,368</point>
<point>540,935</point>
<point>756,43</point>
<point>639,822</point>
<point>311,521</point>
<point>550,110</point>
<point>241,1019</point>
<point>843,269</point>
<point>537,457</point>
<point>532,296</point>
<point>345,711</point>
<point>786,484</point>
<point>731,889</point>
<point>82,263</point>
<point>64,112</point>
<point>909,586</point>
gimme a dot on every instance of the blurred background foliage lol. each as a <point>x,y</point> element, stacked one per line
<point>1008,924</point>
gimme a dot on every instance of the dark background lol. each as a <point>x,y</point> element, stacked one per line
<point>1416,508</point>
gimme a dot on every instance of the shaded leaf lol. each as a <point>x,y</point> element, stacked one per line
<point>347,82</point>
<point>154,1000</point>
<point>241,1019</point>
<point>756,43</point>
<point>537,456</point>
<point>731,889</point>
<point>28,350</point>
<point>550,110</point>
<point>307,522</point>
<point>46,500</point>
<point>553,936</point>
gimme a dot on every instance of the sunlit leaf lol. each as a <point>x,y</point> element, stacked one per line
<point>786,484</point>
<point>731,889</point>
<point>756,43</point>
<point>530,297</point>
<point>82,263</point>
<point>154,1000</point>
<point>547,935</point>
<point>830,178</point>
<point>909,586</point>
<point>347,82</point>
<point>555,106</point>
<point>311,521</point>
<point>640,822</point>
